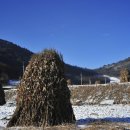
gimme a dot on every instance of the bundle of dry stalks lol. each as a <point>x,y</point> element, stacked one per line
<point>124,75</point>
<point>43,98</point>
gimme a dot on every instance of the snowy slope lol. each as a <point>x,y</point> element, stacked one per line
<point>112,79</point>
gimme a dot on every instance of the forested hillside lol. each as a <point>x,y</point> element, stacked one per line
<point>115,68</point>
<point>13,56</point>
<point>74,73</point>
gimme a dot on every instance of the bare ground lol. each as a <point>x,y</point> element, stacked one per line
<point>93,126</point>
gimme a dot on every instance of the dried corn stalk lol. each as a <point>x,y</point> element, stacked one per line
<point>124,75</point>
<point>43,96</point>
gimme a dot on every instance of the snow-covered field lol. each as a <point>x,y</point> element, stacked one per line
<point>84,114</point>
<point>90,113</point>
<point>6,112</point>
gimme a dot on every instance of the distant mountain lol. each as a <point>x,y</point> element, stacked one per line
<point>115,68</point>
<point>13,56</point>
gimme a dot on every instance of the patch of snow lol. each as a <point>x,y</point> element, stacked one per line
<point>89,101</point>
<point>14,82</point>
<point>9,87</point>
<point>112,79</point>
<point>84,114</point>
<point>6,112</point>
<point>97,111</point>
<point>90,113</point>
<point>107,102</point>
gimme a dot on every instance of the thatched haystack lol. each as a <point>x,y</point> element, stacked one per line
<point>124,75</point>
<point>2,96</point>
<point>43,96</point>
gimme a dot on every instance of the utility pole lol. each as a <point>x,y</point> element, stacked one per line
<point>105,80</point>
<point>89,81</point>
<point>81,78</point>
<point>23,67</point>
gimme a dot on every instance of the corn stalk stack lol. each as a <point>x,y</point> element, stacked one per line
<point>43,97</point>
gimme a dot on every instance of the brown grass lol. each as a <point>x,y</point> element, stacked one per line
<point>119,93</point>
<point>10,94</point>
<point>108,126</point>
<point>79,95</point>
<point>61,127</point>
<point>93,126</point>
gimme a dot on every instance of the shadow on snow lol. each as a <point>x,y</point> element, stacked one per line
<point>108,119</point>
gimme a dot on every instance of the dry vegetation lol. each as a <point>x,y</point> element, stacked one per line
<point>43,98</point>
<point>108,126</point>
<point>124,75</point>
<point>10,94</point>
<point>93,95</point>
<point>93,126</point>
<point>62,127</point>
<point>96,94</point>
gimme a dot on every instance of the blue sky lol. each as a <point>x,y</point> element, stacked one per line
<point>89,33</point>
